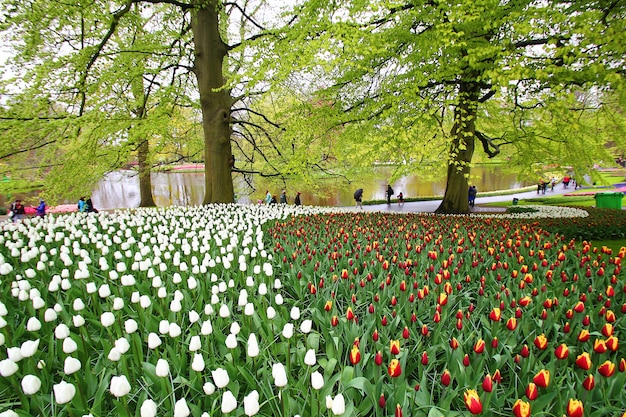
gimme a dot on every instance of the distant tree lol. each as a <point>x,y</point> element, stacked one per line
<point>425,83</point>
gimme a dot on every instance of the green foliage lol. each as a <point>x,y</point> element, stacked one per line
<point>601,224</point>
<point>543,81</point>
<point>520,209</point>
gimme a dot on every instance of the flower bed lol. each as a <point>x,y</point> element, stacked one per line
<point>246,310</point>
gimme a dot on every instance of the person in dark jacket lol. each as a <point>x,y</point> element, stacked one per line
<point>17,210</point>
<point>389,193</point>
<point>358,197</point>
<point>297,201</point>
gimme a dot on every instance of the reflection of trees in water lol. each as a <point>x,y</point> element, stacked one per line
<point>121,189</point>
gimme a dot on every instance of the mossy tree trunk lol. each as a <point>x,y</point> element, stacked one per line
<point>215,102</point>
<point>461,151</point>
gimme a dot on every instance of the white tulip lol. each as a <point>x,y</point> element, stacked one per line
<point>195,344</point>
<point>224,312</point>
<point>114,355</point>
<point>339,405</point>
<point>175,330</point>
<point>305,326</point>
<point>61,331</point>
<point>235,328</point>
<point>118,303</point>
<point>208,388</point>
<point>278,299</point>
<point>329,402</point>
<point>122,345</point>
<point>243,298</point>
<point>78,320</point>
<point>30,384</point>
<point>231,341</point>
<point>130,326</point>
<point>162,368</point>
<point>48,316</point>
<point>263,288</point>
<point>63,392</point>
<point>181,409</point>
<point>91,287</point>
<point>9,413</point>
<point>279,374</point>
<point>69,345</point>
<point>78,304</point>
<point>194,317</point>
<point>104,291</point>
<point>154,341</point>
<point>15,354</point>
<point>164,326</point>
<point>251,404</point>
<point>144,301</point>
<point>309,357</point>
<point>71,365</point>
<point>278,284</point>
<point>38,303</point>
<point>248,310</point>
<point>8,367</point>
<point>295,313</point>
<point>148,408</point>
<point>207,328</point>
<point>271,313</point>
<point>288,330</point>
<point>229,402</point>
<point>220,377</point>
<point>175,306</point>
<point>198,362</point>
<point>253,346</point>
<point>127,280</point>
<point>29,348</point>
<point>107,319</point>
<point>317,380</point>
<point>119,386</point>
<point>208,310</point>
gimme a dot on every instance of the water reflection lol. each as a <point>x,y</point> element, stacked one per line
<point>121,189</point>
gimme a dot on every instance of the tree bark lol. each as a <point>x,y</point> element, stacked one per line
<point>463,133</point>
<point>145,180</point>
<point>210,52</point>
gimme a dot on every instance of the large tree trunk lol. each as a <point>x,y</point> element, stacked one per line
<point>145,180</point>
<point>455,199</point>
<point>215,102</point>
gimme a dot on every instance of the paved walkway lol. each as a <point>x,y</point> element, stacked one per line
<point>431,205</point>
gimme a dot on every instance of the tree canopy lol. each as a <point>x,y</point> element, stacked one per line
<point>428,81</point>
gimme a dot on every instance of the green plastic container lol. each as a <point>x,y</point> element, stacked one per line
<point>609,200</point>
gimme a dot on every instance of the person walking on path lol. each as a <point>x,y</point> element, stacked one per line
<point>389,193</point>
<point>358,197</point>
<point>471,195</point>
<point>297,201</point>
<point>283,197</point>
<point>400,199</point>
<point>268,197</point>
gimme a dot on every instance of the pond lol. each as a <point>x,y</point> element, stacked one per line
<point>121,189</point>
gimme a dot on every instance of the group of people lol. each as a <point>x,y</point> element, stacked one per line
<point>542,185</point>
<point>85,205</point>
<point>17,210</point>
<point>271,199</point>
<point>358,196</point>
